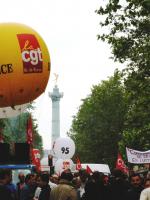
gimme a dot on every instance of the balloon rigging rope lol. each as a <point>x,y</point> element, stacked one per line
<point>5,113</point>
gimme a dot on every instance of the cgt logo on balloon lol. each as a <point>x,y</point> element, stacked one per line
<point>31,53</point>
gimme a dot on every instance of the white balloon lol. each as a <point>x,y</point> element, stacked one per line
<point>61,165</point>
<point>64,148</point>
<point>8,112</point>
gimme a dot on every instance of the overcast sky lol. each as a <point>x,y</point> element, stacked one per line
<point>69,28</point>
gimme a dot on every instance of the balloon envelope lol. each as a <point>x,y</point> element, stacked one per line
<point>8,112</point>
<point>64,148</point>
<point>24,64</point>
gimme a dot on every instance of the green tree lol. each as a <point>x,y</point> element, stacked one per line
<point>14,129</point>
<point>3,136</point>
<point>128,33</point>
<point>37,138</point>
<point>98,125</point>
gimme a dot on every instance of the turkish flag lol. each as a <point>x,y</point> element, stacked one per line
<point>121,165</point>
<point>78,164</point>
<point>88,170</point>
<point>29,131</point>
<point>36,159</point>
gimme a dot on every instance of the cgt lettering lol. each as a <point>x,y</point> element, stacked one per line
<point>6,68</point>
<point>32,56</point>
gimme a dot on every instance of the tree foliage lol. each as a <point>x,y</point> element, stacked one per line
<point>129,28</point>
<point>118,112</point>
<point>98,126</point>
<point>128,33</point>
<point>15,130</point>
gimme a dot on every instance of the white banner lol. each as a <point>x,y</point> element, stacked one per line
<point>138,157</point>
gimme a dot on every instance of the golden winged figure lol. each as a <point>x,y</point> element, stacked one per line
<point>56,78</point>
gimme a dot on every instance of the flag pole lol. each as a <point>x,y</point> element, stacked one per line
<point>29,134</point>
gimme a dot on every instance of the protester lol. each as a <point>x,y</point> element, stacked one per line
<point>53,181</point>
<point>21,183</point>
<point>5,193</point>
<point>45,188</point>
<point>118,185</point>
<point>84,178</point>
<point>76,182</point>
<point>38,189</point>
<point>10,185</point>
<point>95,188</point>
<point>147,183</point>
<point>136,187</point>
<point>28,191</point>
<point>64,190</point>
<point>145,194</point>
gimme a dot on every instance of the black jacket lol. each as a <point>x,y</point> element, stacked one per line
<point>5,193</point>
<point>45,193</point>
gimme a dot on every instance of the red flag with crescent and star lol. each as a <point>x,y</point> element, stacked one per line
<point>121,165</point>
<point>78,164</point>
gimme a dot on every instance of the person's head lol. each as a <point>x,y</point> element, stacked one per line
<point>38,179</point>
<point>54,178</point>
<point>106,179</point>
<point>29,179</point>
<point>3,177</point>
<point>34,177</point>
<point>21,177</point>
<point>8,175</point>
<point>98,177</point>
<point>76,182</point>
<point>83,175</point>
<point>135,180</point>
<point>147,183</point>
<point>66,176</point>
<point>118,174</point>
<point>43,180</point>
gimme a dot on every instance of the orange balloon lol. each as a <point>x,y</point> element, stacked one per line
<point>24,64</point>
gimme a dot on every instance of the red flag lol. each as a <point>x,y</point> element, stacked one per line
<point>88,170</point>
<point>121,165</point>
<point>78,164</point>
<point>36,159</point>
<point>29,131</point>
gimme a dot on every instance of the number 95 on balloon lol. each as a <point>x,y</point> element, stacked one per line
<point>64,148</point>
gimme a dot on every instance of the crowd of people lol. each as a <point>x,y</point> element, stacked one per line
<point>74,186</point>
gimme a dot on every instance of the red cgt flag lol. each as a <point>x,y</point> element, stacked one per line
<point>78,164</point>
<point>121,165</point>
<point>29,131</point>
<point>36,159</point>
